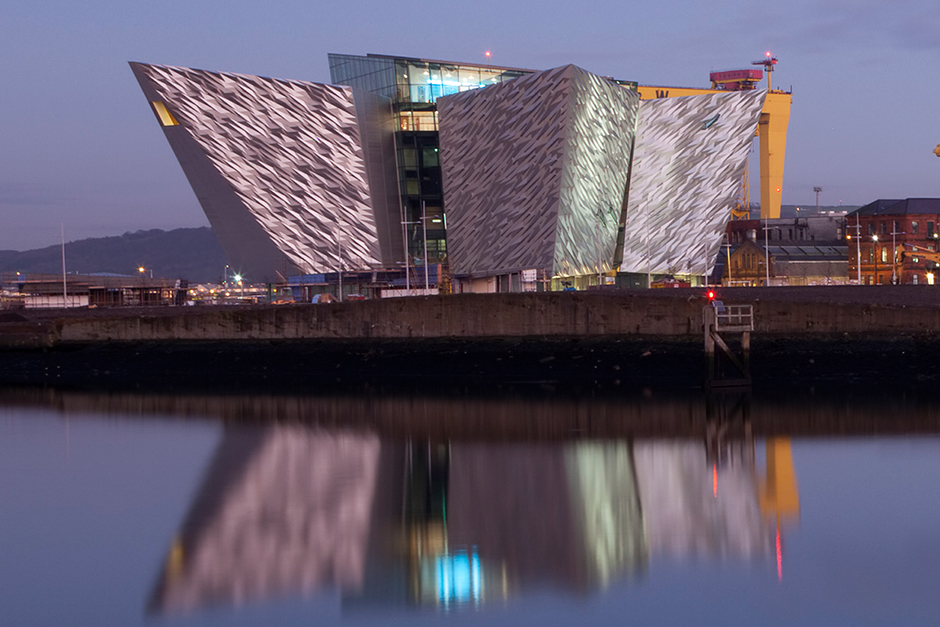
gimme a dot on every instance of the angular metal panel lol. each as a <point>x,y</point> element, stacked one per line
<point>292,153</point>
<point>600,135</point>
<point>534,172</point>
<point>688,164</point>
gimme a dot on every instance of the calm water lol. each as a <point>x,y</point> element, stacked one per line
<point>373,510</point>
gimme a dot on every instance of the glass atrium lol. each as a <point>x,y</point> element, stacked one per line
<point>413,86</point>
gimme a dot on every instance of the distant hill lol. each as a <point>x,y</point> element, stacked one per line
<point>192,254</point>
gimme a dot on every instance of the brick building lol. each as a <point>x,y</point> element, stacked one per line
<point>807,250</point>
<point>894,241</point>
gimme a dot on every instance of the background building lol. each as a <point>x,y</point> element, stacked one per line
<point>894,241</point>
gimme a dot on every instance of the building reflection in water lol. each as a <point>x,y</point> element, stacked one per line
<point>294,510</point>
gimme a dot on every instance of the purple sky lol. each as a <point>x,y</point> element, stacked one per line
<point>80,147</point>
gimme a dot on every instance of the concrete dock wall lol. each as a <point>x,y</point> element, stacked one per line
<point>538,315</point>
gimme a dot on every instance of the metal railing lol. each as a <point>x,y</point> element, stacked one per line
<point>736,316</point>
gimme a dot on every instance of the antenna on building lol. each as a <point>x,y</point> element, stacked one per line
<point>769,61</point>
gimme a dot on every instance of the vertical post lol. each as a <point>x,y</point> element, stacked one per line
<point>597,244</point>
<point>424,224</point>
<point>705,259</point>
<point>65,289</point>
<point>858,241</point>
<point>729,263</point>
<point>766,254</point>
<point>404,241</point>
<point>708,319</point>
<point>649,256</point>
<point>339,256</point>
<point>746,353</point>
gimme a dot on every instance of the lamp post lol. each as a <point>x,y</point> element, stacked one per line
<point>339,269</point>
<point>894,256</point>
<point>729,263</point>
<point>766,254</point>
<point>858,241</point>
<point>874,238</point>
<point>424,225</point>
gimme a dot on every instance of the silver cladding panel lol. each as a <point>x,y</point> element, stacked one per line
<point>534,172</point>
<point>687,168</point>
<point>292,153</point>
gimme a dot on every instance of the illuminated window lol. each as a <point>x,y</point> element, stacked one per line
<point>884,253</point>
<point>166,118</point>
<point>914,228</point>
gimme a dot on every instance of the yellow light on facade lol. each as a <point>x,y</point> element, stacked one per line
<point>166,118</point>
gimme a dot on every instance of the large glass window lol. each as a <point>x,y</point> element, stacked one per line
<point>425,82</point>
<point>409,157</point>
<point>430,156</point>
<point>469,78</point>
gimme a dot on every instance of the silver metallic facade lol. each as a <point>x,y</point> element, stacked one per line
<point>535,171</point>
<point>688,164</point>
<point>560,171</point>
<point>293,176</point>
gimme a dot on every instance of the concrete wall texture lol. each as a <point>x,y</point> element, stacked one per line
<point>536,315</point>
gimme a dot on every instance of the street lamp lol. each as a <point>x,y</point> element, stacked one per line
<point>894,255</point>
<point>766,253</point>
<point>858,242</point>
<point>874,238</point>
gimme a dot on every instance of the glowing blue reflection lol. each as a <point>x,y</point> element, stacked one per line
<point>459,578</point>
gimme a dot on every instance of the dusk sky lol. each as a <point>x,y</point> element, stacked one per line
<point>81,149</point>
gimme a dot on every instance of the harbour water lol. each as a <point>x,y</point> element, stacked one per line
<point>533,508</point>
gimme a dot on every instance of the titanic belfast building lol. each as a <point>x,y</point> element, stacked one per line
<point>509,177</point>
